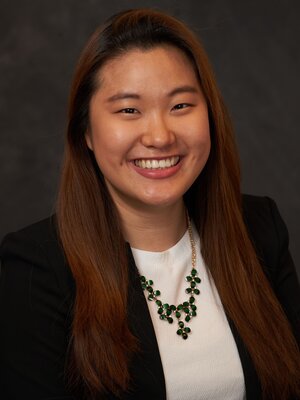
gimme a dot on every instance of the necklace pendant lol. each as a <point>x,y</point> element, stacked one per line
<point>183,331</point>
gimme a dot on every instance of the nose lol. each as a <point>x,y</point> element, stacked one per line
<point>158,133</point>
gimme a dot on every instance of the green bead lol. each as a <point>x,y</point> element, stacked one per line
<point>181,324</point>
<point>150,289</point>
<point>166,306</point>
<point>186,304</point>
<point>180,307</point>
<point>193,313</point>
<point>150,282</point>
<point>162,316</point>
<point>157,293</point>
<point>144,286</point>
<point>186,310</point>
<point>150,297</point>
<point>172,307</point>
<point>143,279</point>
<point>184,336</point>
<point>193,285</point>
<point>196,291</point>
<point>188,278</point>
<point>169,312</point>
<point>192,300</point>
<point>187,330</point>
<point>193,307</point>
<point>170,320</point>
<point>196,279</point>
<point>179,332</point>
<point>160,310</point>
<point>187,318</point>
<point>178,314</point>
<point>188,290</point>
<point>158,302</point>
<point>194,272</point>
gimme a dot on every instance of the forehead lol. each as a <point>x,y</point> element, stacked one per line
<point>138,69</point>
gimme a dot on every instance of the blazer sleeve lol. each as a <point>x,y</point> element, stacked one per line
<point>285,280</point>
<point>34,330</point>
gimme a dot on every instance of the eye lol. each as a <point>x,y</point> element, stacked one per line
<point>181,106</point>
<point>128,110</point>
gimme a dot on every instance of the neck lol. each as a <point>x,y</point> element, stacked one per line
<point>156,229</point>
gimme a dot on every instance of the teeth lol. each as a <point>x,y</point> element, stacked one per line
<point>157,164</point>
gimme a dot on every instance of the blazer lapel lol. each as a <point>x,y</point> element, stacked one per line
<point>252,384</point>
<point>146,368</point>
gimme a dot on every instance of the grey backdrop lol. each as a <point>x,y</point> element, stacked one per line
<point>253,46</point>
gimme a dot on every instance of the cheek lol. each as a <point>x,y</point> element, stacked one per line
<point>109,138</point>
<point>111,149</point>
<point>200,145</point>
<point>198,136</point>
<point>196,127</point>
<point>203,137</point>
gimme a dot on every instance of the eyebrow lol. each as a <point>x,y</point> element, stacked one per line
<point>129,95</point>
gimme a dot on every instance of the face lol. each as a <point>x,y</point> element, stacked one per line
<point>149,128</point>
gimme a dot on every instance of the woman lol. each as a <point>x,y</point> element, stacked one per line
<point>111,297</point>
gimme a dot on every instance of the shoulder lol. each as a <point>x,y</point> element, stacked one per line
<point>259,210</point>
<point>37,246</point>
<point>264,223</point>
<point>36,309</point>
<point>271,240</point>
<point>41,233</point>
<point>269,235</point>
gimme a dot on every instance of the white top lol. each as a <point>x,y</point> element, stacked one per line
<point>206,366</point>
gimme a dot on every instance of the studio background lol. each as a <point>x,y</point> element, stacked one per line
<point>254,49</point>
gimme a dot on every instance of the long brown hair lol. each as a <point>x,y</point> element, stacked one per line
<point>89,227</point>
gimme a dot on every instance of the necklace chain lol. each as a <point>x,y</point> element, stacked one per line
<point>186,310</point>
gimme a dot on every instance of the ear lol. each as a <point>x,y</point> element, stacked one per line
<point>88,140</point>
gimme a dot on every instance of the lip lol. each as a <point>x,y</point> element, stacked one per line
<point>157,173</point>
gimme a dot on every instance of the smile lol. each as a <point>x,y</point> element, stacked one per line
<point>157,164</point>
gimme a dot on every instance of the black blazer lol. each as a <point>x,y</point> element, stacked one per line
<point>37,292</point>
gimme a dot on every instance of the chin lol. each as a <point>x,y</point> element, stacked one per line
<point>162,201</point>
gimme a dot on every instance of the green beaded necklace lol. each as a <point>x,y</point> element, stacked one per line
<point>186,310</point>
